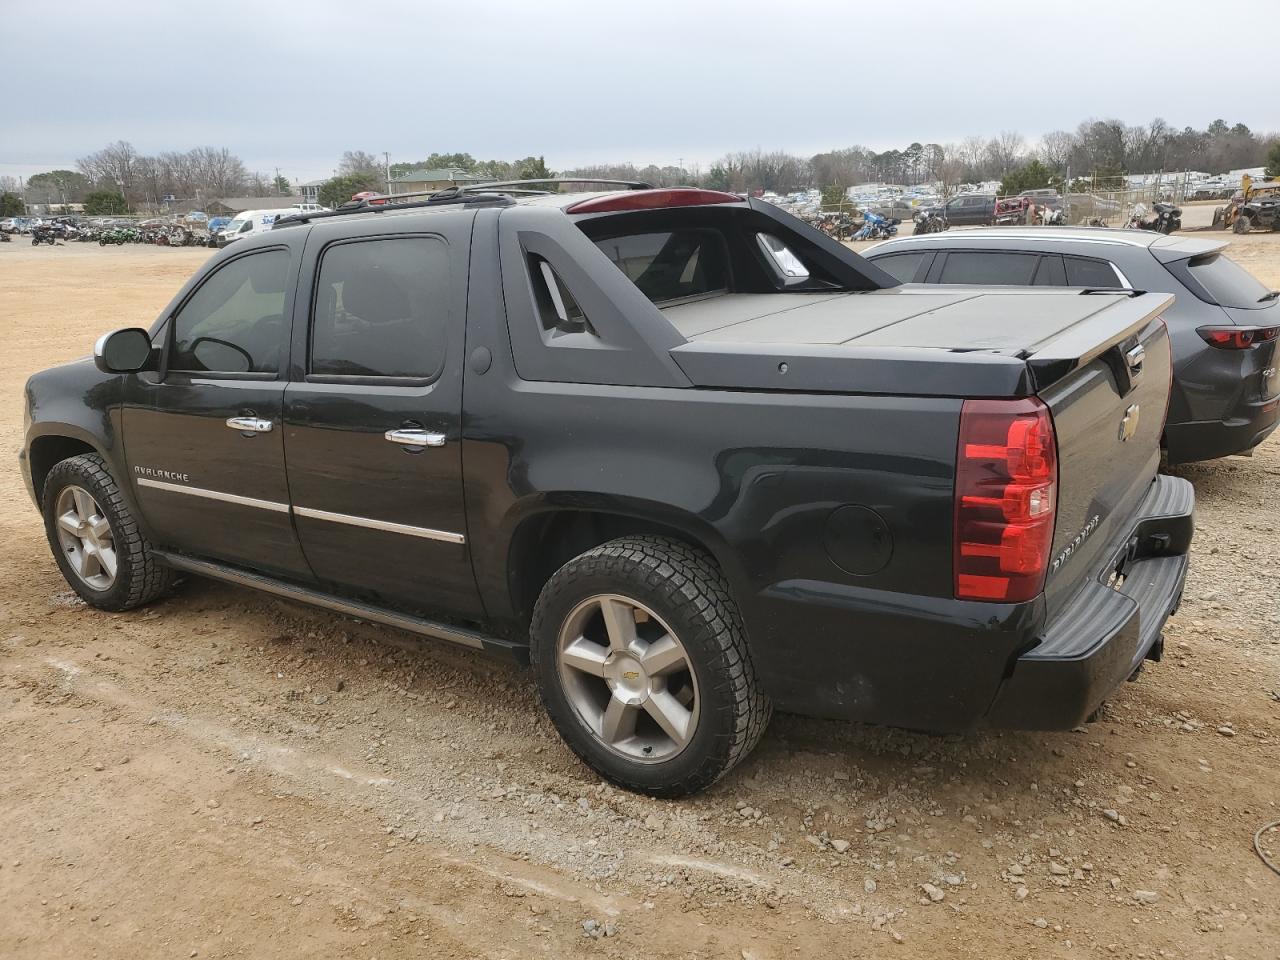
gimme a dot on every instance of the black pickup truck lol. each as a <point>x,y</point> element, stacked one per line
<point>693,458</point>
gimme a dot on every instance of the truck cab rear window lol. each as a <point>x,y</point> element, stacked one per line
<point>671,265</point>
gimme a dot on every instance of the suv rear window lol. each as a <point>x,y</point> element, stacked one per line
<point>671,265</point>
<point>1228,283</point>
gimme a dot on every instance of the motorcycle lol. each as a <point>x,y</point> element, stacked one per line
<point>1165,219</point>
<point>876,227</point>
<point>44,234</point>
<point>931,221</point>
<point>1051,216</point>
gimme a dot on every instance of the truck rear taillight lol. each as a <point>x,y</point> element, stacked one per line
<point>1237,338</point>
<point>652,200</point>
<point>1005,499</point>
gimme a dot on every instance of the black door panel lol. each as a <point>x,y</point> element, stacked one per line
<point>206,487</point>
<point>377,360</point>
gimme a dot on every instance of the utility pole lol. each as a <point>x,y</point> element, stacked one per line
<point>386,159</point>
<point>277,183</point>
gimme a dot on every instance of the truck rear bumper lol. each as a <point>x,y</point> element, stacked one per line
<point>1105,632</point>
<point>936,663</point>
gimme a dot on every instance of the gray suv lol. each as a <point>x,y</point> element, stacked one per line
<point>1223,325</point>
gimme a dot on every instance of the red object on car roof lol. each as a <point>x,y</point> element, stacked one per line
<point>653,200</point>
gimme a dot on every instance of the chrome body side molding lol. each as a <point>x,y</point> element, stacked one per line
<point>425,532</point>
<point>445,536</point>
<point>213,495</point>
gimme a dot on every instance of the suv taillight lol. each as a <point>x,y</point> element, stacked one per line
<point>1005,499</point>
<point>1237,338</point>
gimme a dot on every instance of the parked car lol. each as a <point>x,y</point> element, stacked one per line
<point>1223,325</point>
<point>9,225</point>
<point>687,454</point>
<point>970,209</point>
<point>1043,197</point>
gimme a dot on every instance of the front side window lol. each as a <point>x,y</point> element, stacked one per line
<point>381,309</point>
<point>234,323</point>
<point>671,265</point>
<point>992,269</point>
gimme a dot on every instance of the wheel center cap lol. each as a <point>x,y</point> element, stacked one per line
<point>626,678</point>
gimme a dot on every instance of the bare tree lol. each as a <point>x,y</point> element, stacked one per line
<point>358,162</point>
<point>112,167</point>
<point>1003,152</point>
<point>1055,149</point>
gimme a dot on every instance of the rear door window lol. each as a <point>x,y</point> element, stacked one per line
<point>671,265</point>
<point>381,309</point>
<point>1228,283</point>
<point>996,268</point>
<point>1098,274</point>
<point>902,266</point>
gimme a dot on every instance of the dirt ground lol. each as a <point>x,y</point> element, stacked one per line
<point>227,775</point>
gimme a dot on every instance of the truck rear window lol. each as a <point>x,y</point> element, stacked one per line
<point>673,264</point>
<point>1228,283</point>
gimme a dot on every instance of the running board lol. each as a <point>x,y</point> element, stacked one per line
<point>352,608</point>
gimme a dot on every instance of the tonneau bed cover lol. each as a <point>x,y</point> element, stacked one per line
<point>1008,342</point>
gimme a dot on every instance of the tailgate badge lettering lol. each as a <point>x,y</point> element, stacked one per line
<point>1129,425</point>
<point>1076,542</point>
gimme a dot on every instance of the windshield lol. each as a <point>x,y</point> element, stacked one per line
<point>1228,283</point>
<point>235,226</point>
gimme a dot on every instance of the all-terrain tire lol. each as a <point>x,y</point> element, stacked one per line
<point>685,588</point>
<point>140,575</point>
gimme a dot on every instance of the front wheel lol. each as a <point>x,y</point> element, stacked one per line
<point>95,538</point>
<point>642,664</point>
<point>1243,224</point>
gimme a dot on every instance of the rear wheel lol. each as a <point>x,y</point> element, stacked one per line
<point>642,663</point>
<point>1243,224</point>
<point>95,538</point>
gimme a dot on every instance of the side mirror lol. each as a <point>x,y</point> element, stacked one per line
<point>124,351</point>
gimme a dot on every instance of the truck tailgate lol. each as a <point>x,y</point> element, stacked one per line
<point>1108,391</point>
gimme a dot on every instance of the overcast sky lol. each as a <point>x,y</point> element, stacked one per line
<point>293,84</point>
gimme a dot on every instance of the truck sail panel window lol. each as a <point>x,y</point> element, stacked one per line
<point>672,264</point>
<point>557,307</point>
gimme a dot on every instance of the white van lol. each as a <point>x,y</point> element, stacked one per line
<point>250,223</point>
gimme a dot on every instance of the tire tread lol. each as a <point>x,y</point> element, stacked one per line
<point>695,586</point>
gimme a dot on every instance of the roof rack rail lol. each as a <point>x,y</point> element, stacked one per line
<point>384,202</point>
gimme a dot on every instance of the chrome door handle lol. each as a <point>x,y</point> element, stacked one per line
<point>415,438</point>
<point>250,424</point>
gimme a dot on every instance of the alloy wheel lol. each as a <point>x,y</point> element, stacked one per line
<point>628,677</point>
<point>85,537</point>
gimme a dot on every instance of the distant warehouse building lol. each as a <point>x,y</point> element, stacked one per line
<point>440,178</point>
